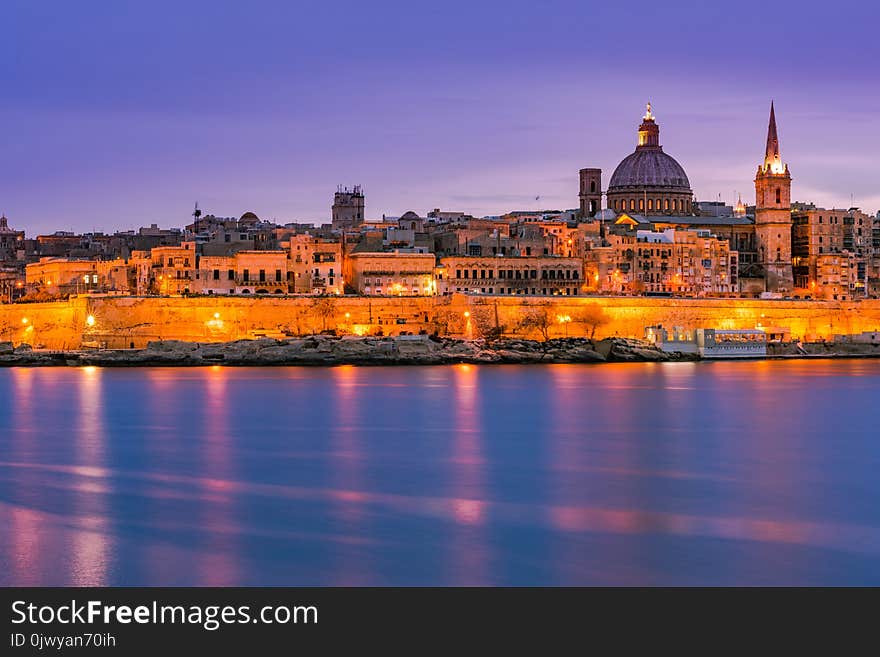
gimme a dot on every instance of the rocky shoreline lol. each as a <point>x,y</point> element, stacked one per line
<point>348,350</point>
<point>326,350</point>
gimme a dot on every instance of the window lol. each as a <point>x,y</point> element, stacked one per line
<point>778,195</point>
<point>262,276</point>
<point>216,274</point>
<point>231,274</point>
<point>246,275</point>
<point>592,186</point>
<point>277,274</point>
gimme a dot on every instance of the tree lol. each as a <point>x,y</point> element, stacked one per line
<point>592,317</point>
<point>537,318</point>
<point>325,308</point>
<point>485,320</point>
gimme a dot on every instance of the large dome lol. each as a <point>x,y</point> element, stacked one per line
<point>649,168</point>
<point>649,181</point>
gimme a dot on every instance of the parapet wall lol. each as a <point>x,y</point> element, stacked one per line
<point>120,322</point>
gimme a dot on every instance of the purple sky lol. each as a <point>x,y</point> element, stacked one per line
<point>119,116</point>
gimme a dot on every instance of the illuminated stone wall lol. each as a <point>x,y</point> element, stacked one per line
<point>56,325</point>
<point>123,321</point>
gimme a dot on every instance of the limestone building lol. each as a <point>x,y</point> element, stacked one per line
<point>391,274</point>
<point>537,275</point>
<point>348,208</point>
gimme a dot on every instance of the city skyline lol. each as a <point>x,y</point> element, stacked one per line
<point>480,113</point>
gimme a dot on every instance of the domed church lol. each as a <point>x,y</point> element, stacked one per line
<point>647,181</point>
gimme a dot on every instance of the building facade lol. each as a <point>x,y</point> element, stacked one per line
<point>392,274</point>
<point>538,275</point>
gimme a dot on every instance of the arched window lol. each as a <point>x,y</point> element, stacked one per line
<point>641,204</point>
<point>650,204</point>
<point>593,186</point>
<point>657,204</point>
<point>667,205</point>
<point>632,204</point>
<point>778,195</point>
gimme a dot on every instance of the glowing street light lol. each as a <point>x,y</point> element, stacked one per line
<point>467,313</point>
<point>90,320</point>
<point>24,320</point>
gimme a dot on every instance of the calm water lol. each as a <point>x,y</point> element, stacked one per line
<point>684,473</point>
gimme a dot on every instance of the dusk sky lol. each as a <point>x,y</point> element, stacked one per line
<point>117,115</point>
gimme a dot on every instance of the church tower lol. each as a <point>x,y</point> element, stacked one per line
<point>590,192</point>
<point>773,214</point>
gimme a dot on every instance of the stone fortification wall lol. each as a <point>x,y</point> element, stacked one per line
<point>119,322</point>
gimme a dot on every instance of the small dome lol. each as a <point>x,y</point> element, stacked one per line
<point>409,215</point>
<point>249,217</point>
<point>606,215</point>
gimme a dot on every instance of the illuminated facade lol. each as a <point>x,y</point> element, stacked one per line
<point>173,269</point>
<point>817,233</point>
<point>684,262</point>
<point>246,272</point>
<point>315,265</point>
<point>773,214</point>
<point>539,275</point>
<point>392,274</point>
<point>62,275</point>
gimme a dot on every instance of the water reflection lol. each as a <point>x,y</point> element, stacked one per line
<point>91,546</point>
<point>469,557</point>
<point>711,473</point>
<point>217,565</point>
<point>349,510</point>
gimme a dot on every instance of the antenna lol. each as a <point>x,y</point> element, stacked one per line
<point>196,212</point>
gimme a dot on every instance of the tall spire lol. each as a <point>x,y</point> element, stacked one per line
<point>772,160</point>
<point>772,152</point>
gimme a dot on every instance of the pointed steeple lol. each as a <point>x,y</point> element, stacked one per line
<point>772,138</point>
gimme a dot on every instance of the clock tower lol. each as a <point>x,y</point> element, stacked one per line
<point>773,214</point>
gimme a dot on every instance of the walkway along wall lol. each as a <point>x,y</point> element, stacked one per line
<point>120,322</point>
